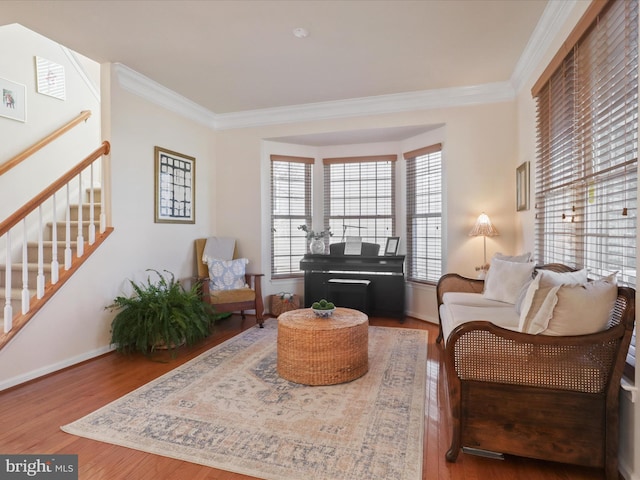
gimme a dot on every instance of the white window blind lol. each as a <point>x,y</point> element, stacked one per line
<point>424,214</point>
<point>290,208</point>
<point>587,115</point>
<point>359,197</point>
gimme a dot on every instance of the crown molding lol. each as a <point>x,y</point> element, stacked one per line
<point>382,104</point>
<point>144,87</point>
<point>553,18</point>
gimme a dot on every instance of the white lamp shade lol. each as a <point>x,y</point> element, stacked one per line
<point>483,227</point>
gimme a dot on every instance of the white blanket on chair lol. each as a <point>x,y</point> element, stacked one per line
<point>218,248</point>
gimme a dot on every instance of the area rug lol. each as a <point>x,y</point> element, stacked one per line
<point>229,409</point>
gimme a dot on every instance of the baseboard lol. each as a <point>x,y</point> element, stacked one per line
<point>41,372</point>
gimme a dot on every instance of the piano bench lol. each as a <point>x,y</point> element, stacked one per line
<point>349,293</point>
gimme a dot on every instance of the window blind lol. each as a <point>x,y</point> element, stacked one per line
<point>359,197</point>
<point>290,208</point>
<point>424,214</point>
<point>586,175</point>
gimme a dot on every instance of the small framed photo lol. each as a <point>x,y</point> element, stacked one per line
<point>522,187</point>
<point>50,78</point>
<point>392,246</point>
<point>175,187</point>
<point>13,103</point>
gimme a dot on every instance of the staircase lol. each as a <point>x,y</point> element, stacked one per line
<point>48,242</point>
<point>41,250</point>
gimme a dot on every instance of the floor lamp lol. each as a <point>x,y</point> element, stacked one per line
<point>484,228</point>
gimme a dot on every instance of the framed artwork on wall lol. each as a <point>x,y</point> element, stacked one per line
<point>522,187</point>
<point>175,187</point>
<point>50,78</point>
<point>13,102</point>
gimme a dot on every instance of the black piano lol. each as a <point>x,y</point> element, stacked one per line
<point>341,278</point>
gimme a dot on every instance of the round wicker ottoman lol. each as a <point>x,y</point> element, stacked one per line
<point>323,351</point>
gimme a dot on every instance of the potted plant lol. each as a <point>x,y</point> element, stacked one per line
<point>160,314</point>
<point>317,239</point>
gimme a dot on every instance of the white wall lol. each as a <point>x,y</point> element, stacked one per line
<point>74,325</point>
<point>479,145</point>
<point>18,48</point>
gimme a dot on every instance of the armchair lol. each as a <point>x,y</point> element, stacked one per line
<point>232,300</point>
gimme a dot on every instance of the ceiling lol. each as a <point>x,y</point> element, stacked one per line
<point>241,55</point>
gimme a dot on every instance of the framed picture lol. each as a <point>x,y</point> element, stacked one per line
<point>14,100</point>
<point>522,187</point>
<point>175,187</point>
<point>392,246</point>
<point>50,78</point>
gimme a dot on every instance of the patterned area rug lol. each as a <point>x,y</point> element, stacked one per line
<point>229,409</point>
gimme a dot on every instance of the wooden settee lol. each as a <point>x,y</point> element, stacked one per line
<point>545,397</point>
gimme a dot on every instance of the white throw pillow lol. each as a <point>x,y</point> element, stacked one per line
<point>583,309</point>
<point>549,278</point>
<point>506,279</point>
<point>537,307</point>
<point>523,258</point>
<point>227,274</point>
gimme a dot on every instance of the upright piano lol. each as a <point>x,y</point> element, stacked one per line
<point>386,288</point>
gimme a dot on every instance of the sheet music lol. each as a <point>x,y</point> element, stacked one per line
<point>353,246</point>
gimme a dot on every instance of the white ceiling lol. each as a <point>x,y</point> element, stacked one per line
<point>235,56</point>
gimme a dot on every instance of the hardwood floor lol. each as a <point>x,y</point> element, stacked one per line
<point>33,413</point>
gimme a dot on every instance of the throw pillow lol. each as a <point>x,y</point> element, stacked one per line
<point>524,258</point>
<point>549,278</point>
<point>583,309</point>
<point>227,274</point>
<point>537,307</point>
<point>505,280</point>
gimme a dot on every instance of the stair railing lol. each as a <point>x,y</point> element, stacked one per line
<point>23,220</point>
<point>12,162</point>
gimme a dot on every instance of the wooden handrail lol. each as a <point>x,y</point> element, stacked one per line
<point>9,164</point>
<point>32,204</point>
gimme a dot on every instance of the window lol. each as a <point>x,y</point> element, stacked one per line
<point>586,189</point>
<point>290,208</point>
<point>424,214</point>
<point>359,198</point>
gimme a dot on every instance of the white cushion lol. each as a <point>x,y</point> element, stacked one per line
<point>453,315</point>
<point>522,258</point>
<point>505,279</point>
<point>583,309</point>
<point>537,307</point>
<point>568,309</point>
<point>227,274</point>
<point>549,278</point>
<point>469,299</point>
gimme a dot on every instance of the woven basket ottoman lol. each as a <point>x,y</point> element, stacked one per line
<point>323,351</point>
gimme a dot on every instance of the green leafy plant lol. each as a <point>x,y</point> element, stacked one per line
<point>160,314</point>
<point>323,305</point>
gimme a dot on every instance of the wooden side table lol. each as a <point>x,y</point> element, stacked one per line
<point>323,351</point>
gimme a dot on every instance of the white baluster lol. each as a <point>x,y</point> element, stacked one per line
<point>80,245</point>
<point>40,278</point>
<point>92,226</point>
<point>55,267</point>
<point>103,214</point>
<point>25,271</point>
<point>8,309</point>
<point>67,249</point>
